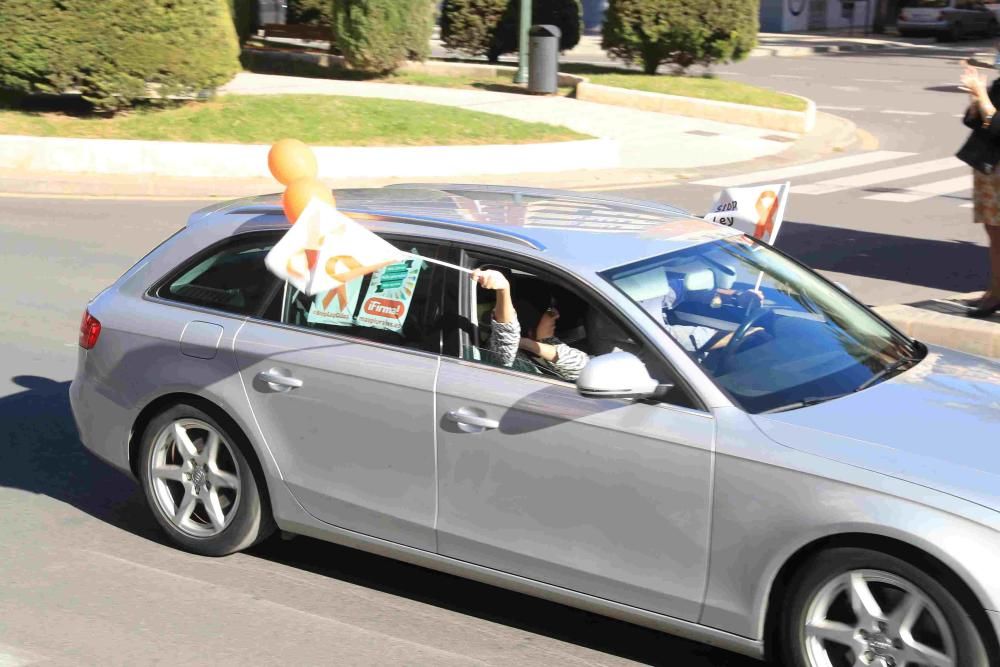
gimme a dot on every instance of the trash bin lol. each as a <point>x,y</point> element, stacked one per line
<point>271,11</point>
<point>543,59</point>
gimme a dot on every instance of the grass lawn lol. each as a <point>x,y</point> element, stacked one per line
<point>688,86</point>
<point>317,119</point>
<point>708,88</point>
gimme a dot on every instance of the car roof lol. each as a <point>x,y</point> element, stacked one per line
<point>581,231</point>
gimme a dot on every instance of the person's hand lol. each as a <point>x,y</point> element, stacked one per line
<point>973,81</point>
<point>546,327</point>
<point>750,297</point>
<point>491,279</point>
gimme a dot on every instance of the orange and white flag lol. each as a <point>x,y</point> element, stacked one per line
<point>756,211</point>
<point>325,249</point>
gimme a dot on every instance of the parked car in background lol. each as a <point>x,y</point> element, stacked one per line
<point>751,458</point>
<point>946,19</point>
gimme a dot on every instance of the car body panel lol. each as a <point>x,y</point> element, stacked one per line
<point>606,497</point>
<point>943,20</point>
<point>906,426</point>
<point>360,458</point>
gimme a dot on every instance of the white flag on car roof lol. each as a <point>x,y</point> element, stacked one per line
<point>325,249</point>
<point>756,211</point>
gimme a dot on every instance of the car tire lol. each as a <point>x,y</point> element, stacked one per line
<point>200,484</point>
<point>817,624</point>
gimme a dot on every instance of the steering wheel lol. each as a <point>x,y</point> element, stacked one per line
<point>726,358</point>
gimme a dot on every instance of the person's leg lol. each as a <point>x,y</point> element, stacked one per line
<point>993,294</point>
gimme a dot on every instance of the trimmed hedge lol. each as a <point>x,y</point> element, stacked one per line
<point>311,12</point>
<point>378,35</point>
<point>491,28</point>
<point>115,52</point>
<point>470,26</point>
<point>680,32</point>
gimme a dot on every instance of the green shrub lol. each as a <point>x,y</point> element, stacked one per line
<point>244,17</point>
<point>310,12</point>
<point>680,32</point>
<point>115,52</point>
<point>378,35</point>
<point>470,26</point>
<point>566,14</point>
<point>491,28</point>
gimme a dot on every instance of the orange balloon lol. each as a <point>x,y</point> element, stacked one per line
<point>290,160</point>
<point>300,192</point>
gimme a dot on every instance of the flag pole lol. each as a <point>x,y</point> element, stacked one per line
<point>438,261</point>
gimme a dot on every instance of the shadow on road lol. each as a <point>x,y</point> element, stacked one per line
<point>957,266</point>
<point>496,605</point>
<point>40,452</point>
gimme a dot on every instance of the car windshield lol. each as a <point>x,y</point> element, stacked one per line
<point>773,334</point>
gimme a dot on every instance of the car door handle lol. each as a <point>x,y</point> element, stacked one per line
<point>465,417</point>
<point>275,378</point>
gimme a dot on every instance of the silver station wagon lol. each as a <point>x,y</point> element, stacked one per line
<point>740,454</point>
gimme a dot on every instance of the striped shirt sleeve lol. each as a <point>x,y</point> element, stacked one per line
<point>569,361</point>
<point>505,337</point>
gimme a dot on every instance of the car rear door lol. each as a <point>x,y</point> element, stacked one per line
<point>345,405</point>
<point>607,497</point>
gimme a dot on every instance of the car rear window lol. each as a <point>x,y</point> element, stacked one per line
<point>232,278</point>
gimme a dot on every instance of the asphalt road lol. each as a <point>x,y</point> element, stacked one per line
<point>87,580</point>
<point>884,251</point>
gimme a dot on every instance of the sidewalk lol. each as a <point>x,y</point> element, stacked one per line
<point>648,140</point>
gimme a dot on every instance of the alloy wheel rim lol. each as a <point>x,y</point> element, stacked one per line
<point>194,478</point>
<point>865,618</point>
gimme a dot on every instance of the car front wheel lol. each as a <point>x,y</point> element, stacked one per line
<point>199,484</point>
<point>856,607</point>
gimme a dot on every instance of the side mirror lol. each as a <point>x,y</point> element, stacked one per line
<point>618,375</point>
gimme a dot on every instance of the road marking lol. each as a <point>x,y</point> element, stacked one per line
<point>907,113</point>
<point>822,166</point>
<point>836,108</point>
<point>787,76</point>
<point>9,657</point>
<point>968,205</point>
<point>882,176</point>
<point>847,89</point>
<point>926,191</point>
<point>880,80</point>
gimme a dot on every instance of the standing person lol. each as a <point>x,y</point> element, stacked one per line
<point>982,152</point>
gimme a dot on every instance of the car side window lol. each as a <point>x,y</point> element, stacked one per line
<point>582,330</point>
<point>232,278</point>
<point>400,304</point>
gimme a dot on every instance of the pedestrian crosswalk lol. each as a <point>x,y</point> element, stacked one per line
<point>886,176</point>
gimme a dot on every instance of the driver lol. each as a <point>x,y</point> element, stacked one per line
<point>532,338</point>
<point>697,338</point>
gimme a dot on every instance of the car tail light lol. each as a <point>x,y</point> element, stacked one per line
<point>90,331</point>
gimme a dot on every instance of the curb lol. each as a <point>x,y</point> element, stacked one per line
<point>235,161</point>
<point>958,333</point>
<point>799,122</point>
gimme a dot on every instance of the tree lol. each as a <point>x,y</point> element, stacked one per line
<point>680,32</point>
<point>117,52</point>
<point>470,26</point>
<point>310,12</point>
<point>378,35</point>
<point>244,17</point>
<point>491,28</point>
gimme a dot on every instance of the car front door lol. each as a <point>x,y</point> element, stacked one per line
<point>343,393</point>
<point>607,497</point>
